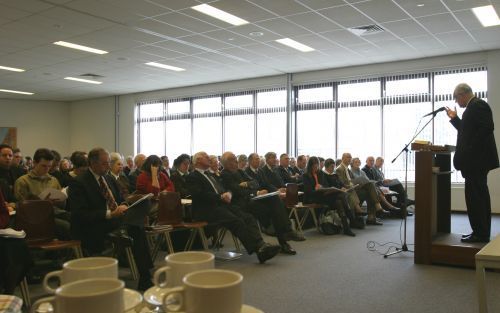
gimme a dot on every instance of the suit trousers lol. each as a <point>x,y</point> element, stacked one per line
<point>477,199</point>
<point>271,209</point>
<point>241,224</point>
<point>368,193</point>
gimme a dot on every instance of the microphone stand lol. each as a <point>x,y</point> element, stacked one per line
<point>404,246</point>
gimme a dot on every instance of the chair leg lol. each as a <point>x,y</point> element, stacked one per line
<point>315,218</point>
<point>297,220</point>
<point>131,263</point>
<point>203,237</point>
<point>170,245</point>
<point>236,243</point>
<point>25,292</point>
<point>192,237</point>
<point>78,252</point>
<point>220,237</point>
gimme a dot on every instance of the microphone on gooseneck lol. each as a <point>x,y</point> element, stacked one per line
<point>435,111</point>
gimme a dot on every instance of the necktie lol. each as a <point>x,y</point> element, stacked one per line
<point>110,201</point>
<point>215,183</point>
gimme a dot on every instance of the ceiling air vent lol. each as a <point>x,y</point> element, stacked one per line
<point>90,75</point>
<point>366,30</point>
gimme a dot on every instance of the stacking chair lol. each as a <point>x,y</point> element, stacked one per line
<point>170,213</point>
<point>293,204</point>
<point>36,218</point>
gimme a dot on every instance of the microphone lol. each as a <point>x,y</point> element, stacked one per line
<point>435,111</point>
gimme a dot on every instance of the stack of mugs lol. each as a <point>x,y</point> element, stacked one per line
<point>89,285</point>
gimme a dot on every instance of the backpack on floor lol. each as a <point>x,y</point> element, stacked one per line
<point>330,223</point>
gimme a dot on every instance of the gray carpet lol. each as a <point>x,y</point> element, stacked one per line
<point>339,274</point>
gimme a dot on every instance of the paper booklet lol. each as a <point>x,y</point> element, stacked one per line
<point>53,194</point>
<point>11,233</point>
<point>335,189</point>
<point>267,195</point>
<point>145,197</point>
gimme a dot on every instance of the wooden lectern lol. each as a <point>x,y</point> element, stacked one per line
<point>434,242</point>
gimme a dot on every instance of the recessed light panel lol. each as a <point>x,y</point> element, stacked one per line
<point>295,44</point>
<point>165,66</point>
<point>79,47</point>
<point>487,15</point>
<point>13,69</point>
<point>16,91</point>
<point>95,82</point>
<point>219,14</point>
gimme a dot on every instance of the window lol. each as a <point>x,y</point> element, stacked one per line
<point>239,134</point>
<point>152,133</point>
<point>207,125</point>
<point>271,121</point>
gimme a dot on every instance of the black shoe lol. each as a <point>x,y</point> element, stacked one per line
<point>293,236</point>
<point>144,284</point>
<point>267,251</point>
<point>409,213</point>
<point>374,221</point>
<point>287,249</point>
<point>348,232</point>
<point>410,202</point>
<point>467,235</point>
<point>358,223</point>
<point>382,213</point>
<point>474,238</point>
<point>361,214</point>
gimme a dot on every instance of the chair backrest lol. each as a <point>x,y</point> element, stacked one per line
<point>36,218</point>
<point>169,208</point>
<point>292,195</point>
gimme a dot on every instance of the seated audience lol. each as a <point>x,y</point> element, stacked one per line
<point>8,174</point>
<point>178,177</point>
<point>268,178</point>
<point>116,172</point>
<point>132,176</point>
<point>214,168</point>
<point>212,203</point>
<point>292,166</point>
<point>31,185</point>
<point>361,193</point>
<point>314,181</point>
<point>282,170</point>
<point>242,162</point>
<point>129,166</point>
<point>151,179</point>
<point>98,208</point>
<point>165,165</point>
<point>15,258</point>
<point>243,188</point>
<point>373,170</point>
<point>80,163</point>
<point>359,177</point>
<point>301,164</point>
<point>17,162</point>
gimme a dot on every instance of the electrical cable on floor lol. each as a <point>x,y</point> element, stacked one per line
<point>374,245</point>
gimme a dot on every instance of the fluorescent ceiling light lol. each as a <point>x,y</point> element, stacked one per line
<point>15,91</point>
<point>13,69</point>
<point>487,15</point>
<point>165,66</point>
<point>294,44</point>
<point>219,14</point>
<point>79,47</point>
<point>83,80</point>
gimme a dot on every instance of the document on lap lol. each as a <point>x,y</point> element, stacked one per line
<point>267,195</point>
<point>53,194</point>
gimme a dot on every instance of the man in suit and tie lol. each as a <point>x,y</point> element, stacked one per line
<point>282,170</point>
<point>212,203</point>
<point>476,154</point>
<point>244,188</point>
<point>97,208</point>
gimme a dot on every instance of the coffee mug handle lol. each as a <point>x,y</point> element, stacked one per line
<point>169,307</point>
<point>166,270</point>
<point>39,302</point>
<point>46,285</point>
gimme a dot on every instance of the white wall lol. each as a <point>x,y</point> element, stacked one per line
<point>100,112</point>
<point>40,124</point>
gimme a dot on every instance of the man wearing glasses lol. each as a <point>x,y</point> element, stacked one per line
<point>475,156</point>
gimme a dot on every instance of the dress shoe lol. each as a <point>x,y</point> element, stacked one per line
<point>382,213</point>
<point>467,235</point>
<point>294,236</point>
<point>287,249</point>
<point>474,238</point>
<point>374,221</point>
<point>267,251</point>
<point>410,202</point>
<point>348,232</point>
<point>361,214</point>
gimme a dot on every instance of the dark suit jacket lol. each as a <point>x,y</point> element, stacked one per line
<point>476,147</point>
<point>180,183</point>
<point>270,180</point>
<point>203,194</point>
<point>88,210</point>
<point>285,175</point>
<point>241,195</point>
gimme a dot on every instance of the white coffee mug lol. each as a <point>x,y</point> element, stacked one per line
<point>94,295</point>
<point>180,264</point>
<point>78,269</point>
<point>207,291</point>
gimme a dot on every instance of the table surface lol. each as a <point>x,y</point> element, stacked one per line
<point>491,251</point>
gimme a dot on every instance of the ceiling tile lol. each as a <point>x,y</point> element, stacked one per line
<point>139,7</point>
<point>267,49</point>
<point>249,29</point>
<point>207,42</point>
<point>230,37</point>
<point>283,27</point>
<point>440,23</point>
<point>344,37</point>
<point>430,7</point>
<point>455,5</point>
<point>240,8</point>
<point>281,7</point>
<point>346,16</point>
<point>486,34</point>
<point>175,4</point>
<point>317,42</point>
<point>382,10</point>
<point>186,22</point>
<point>406,28</point>
<point>32,6</point>
<point>12,13</point>
<point>73,17</point>
<point>424,42</point>
<point>104,10</point>
<point>153,53</point>
<point>321,4</point>
<point>457,38</point>
<point>245,54</point>
<point>179,47</point>
<point>468,19</point>
<point>161,28</point>
<point>314,22</point>
<point>381,36</point>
